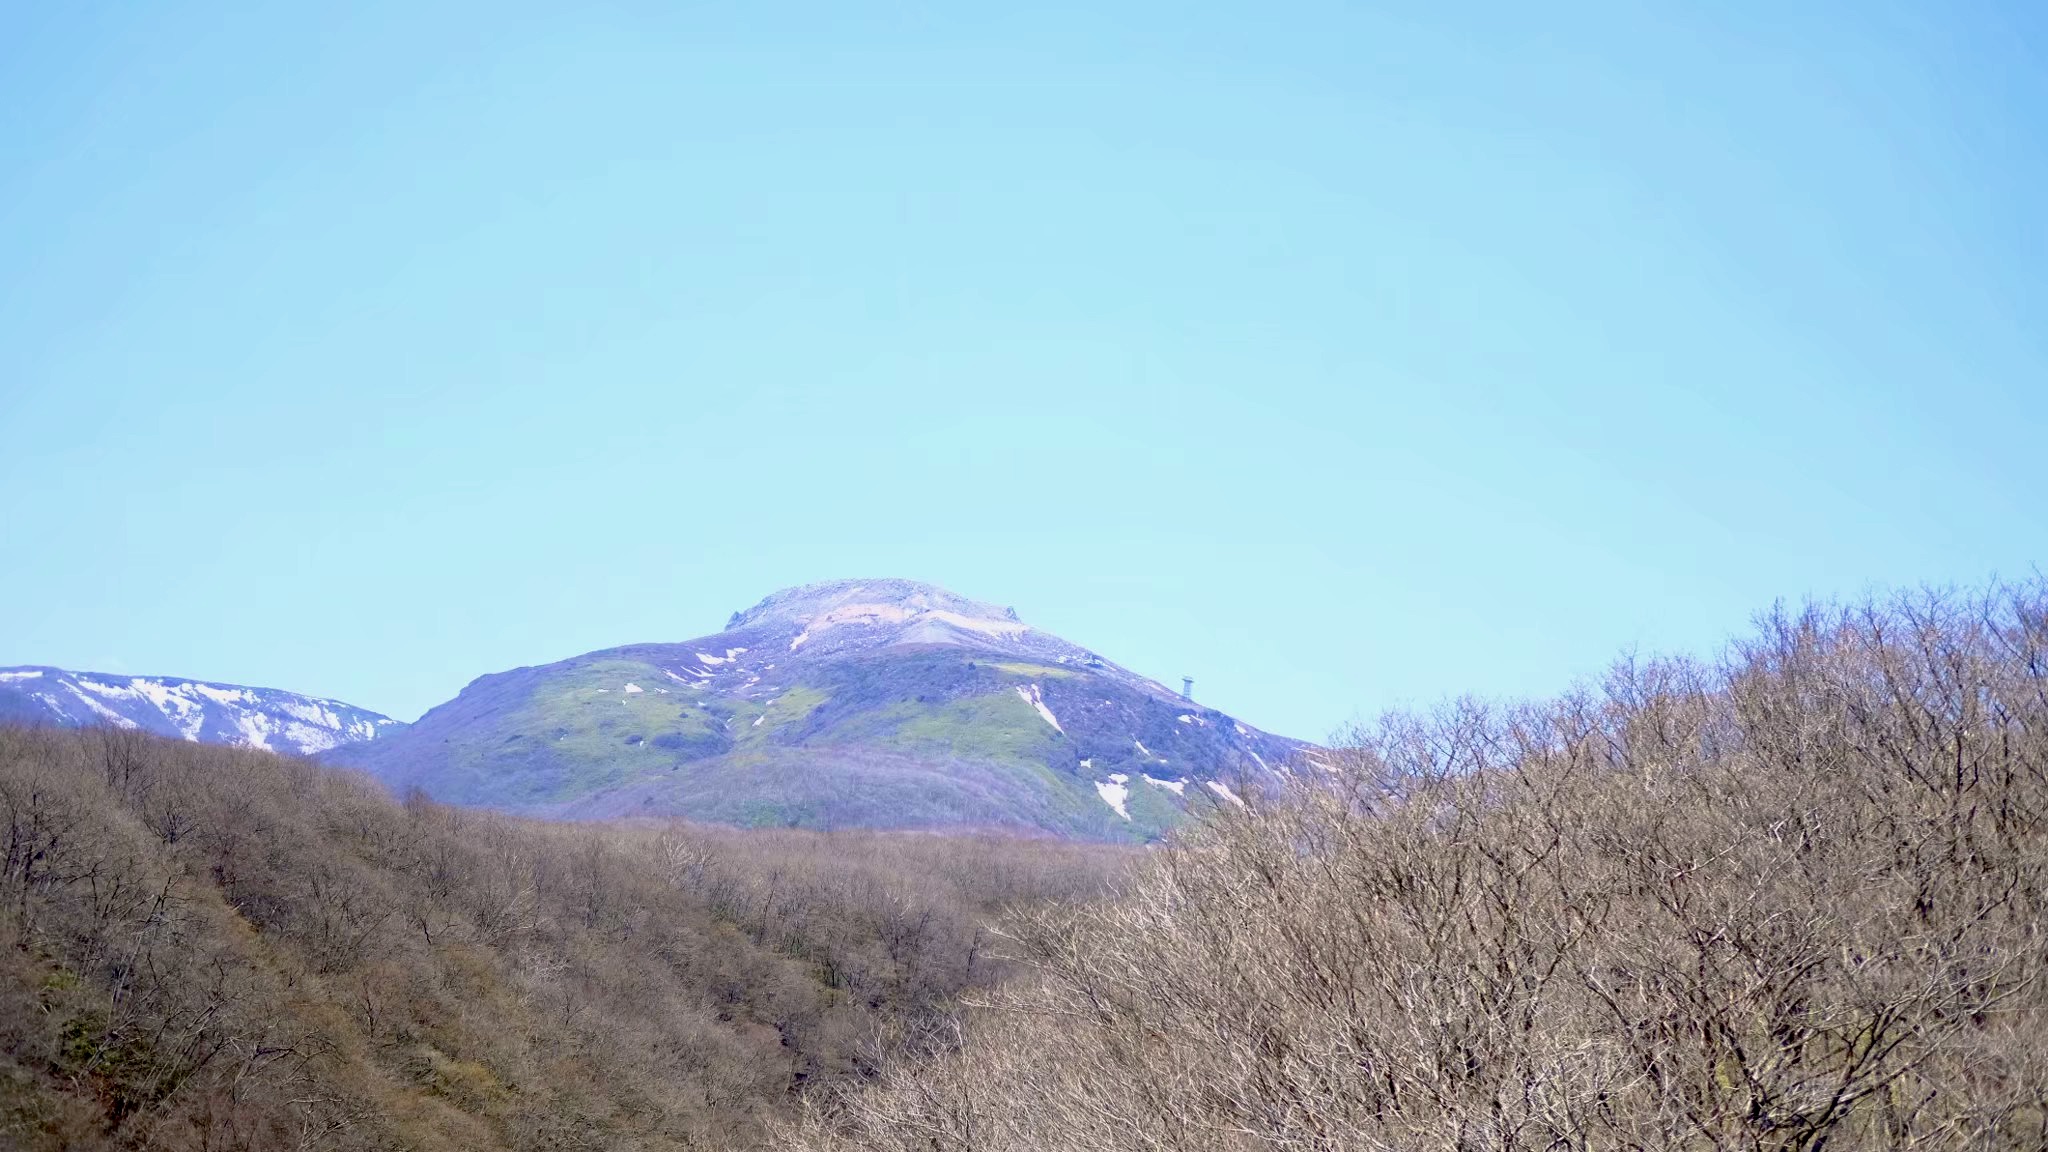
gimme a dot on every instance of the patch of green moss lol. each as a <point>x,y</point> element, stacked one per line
<point>1000,726</point>
<point>1035,671</point>
<point>792,707</point>
<point>582,731</point>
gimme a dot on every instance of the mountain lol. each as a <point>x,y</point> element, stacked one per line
<point>193,709</point>
<point>877,703</point>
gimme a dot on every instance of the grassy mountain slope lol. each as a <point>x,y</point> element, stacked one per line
<point>858,703</point>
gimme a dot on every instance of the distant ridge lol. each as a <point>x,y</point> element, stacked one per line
<point>193,709</point>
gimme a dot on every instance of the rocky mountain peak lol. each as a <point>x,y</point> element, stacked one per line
<point>813,609</point>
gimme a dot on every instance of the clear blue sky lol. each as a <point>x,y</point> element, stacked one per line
<point>1341,357</point>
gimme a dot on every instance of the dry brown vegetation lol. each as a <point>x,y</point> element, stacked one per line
<point>205,948</point>
<point>1790,901</point>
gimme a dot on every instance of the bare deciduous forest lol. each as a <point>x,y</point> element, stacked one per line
<point>1790,901</point>
<point>209,948</point>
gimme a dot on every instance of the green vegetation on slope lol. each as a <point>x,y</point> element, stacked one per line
<point>792,707</point>
<point>997,727</point>
<point>912,735</point>
<point>1033,671</point>
<point>1154,809</point>
<point>588,727</point>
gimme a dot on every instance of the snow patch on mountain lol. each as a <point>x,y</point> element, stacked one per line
<point>221,694</point>
<point>253,731</point>
<point>1114,793</point>
<point>100,709</point>
<point>191,710</point>
<point>1036,698</point>
<point>187,714</point>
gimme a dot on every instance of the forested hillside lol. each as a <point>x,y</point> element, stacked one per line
<point>1791,901</point>
<point>205,947</point>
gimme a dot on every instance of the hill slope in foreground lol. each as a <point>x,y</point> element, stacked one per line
<point>263,718</point>
<point>879,703</point>
<point>219,948</point>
